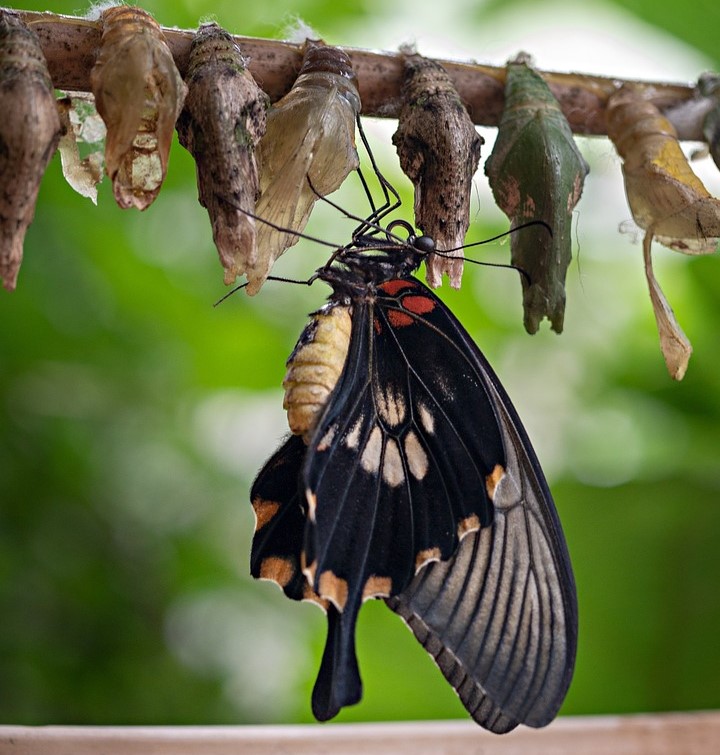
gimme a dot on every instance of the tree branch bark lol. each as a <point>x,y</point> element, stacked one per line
<point>70,46</point>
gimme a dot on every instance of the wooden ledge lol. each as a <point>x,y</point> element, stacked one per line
<point>647,734</point>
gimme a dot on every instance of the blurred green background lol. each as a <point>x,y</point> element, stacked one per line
<point>134,415</point>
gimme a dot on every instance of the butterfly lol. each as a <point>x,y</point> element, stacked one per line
<point>410,478</point>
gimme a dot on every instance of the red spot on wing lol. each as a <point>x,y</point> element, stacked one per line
<point>377,325</point>
<point>394,286</point>
<point>399,319</point>
<point>419,305</point>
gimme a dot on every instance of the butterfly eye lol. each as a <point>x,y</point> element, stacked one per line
<point>425,244</point>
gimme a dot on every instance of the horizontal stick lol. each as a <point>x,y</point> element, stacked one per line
<point>70,45</point>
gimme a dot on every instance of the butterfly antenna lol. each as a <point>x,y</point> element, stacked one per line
<point>364,223</point>
<point>448,252</point>
<point>307,282</point>
<point>230,293</point>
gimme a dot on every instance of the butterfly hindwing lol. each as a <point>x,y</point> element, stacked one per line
<point>280,516</point>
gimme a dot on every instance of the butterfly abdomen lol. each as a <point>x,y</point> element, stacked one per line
<point>315,365</point>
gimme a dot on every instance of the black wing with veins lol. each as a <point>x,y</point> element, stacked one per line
<point>421,486</point>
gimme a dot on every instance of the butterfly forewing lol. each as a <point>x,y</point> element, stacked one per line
<point>393,476</point>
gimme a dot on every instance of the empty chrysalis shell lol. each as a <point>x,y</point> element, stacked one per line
<point>308,150</point>
<point>666,198</point>
<point>220,125</point>
<point>81,124</point>
<point>29,133</point>
<point>536,172</point>
<point>439,151</point>
<point>139,94</point>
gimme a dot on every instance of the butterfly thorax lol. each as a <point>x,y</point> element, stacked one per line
<point>356,271</point>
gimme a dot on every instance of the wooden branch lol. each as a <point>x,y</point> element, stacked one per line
<point>70,45</point>
<point>663,734</point>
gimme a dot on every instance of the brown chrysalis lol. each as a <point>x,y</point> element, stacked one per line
<point>29,133</point>
<point>220,125</point>
<point>439,150</point>
<point>139,94</point>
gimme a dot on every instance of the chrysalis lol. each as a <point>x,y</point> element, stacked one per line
<point>139,94</point>
<point>308,150</point>
<point>221,124</point>
<point>666,198</point>
<point>439,151</point>
<point>536,173</point>
<point>29,133</point>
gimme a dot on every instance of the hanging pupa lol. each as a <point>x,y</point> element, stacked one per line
<point>536,172</point>
<point>439,151</point>
<point>308,150</point>
<point>139,94</point>
<point>29,133</point>
<point>82,125</point>
<point>666,198</point>
<point>220,125</point>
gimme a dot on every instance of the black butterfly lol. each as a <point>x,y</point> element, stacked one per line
<point>416,482</point>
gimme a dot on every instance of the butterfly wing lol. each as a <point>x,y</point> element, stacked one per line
<point>421,486</point>
<point>500,617</point>
<point>280,515</point>
<point>402,465</point>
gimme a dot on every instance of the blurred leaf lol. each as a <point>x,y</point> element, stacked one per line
<point>696,24</point>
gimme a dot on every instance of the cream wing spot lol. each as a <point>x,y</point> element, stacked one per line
<point>426,418</point>
<point>416,457</point>
<point>277,569</point>
<point>352,439</point>
<point>377,587</point>
<point>427,555</point>
<point>370,459</point>
<point>391,406</point>
<point>469,524</point>
<point>308,569</point>
<point>311,499</point>
<point>264,511</point>
<point>393,472</point>
<point>333,588</point>
<point>493,480</point>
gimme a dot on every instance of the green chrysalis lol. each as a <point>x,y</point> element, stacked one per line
<point>536,172</point>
